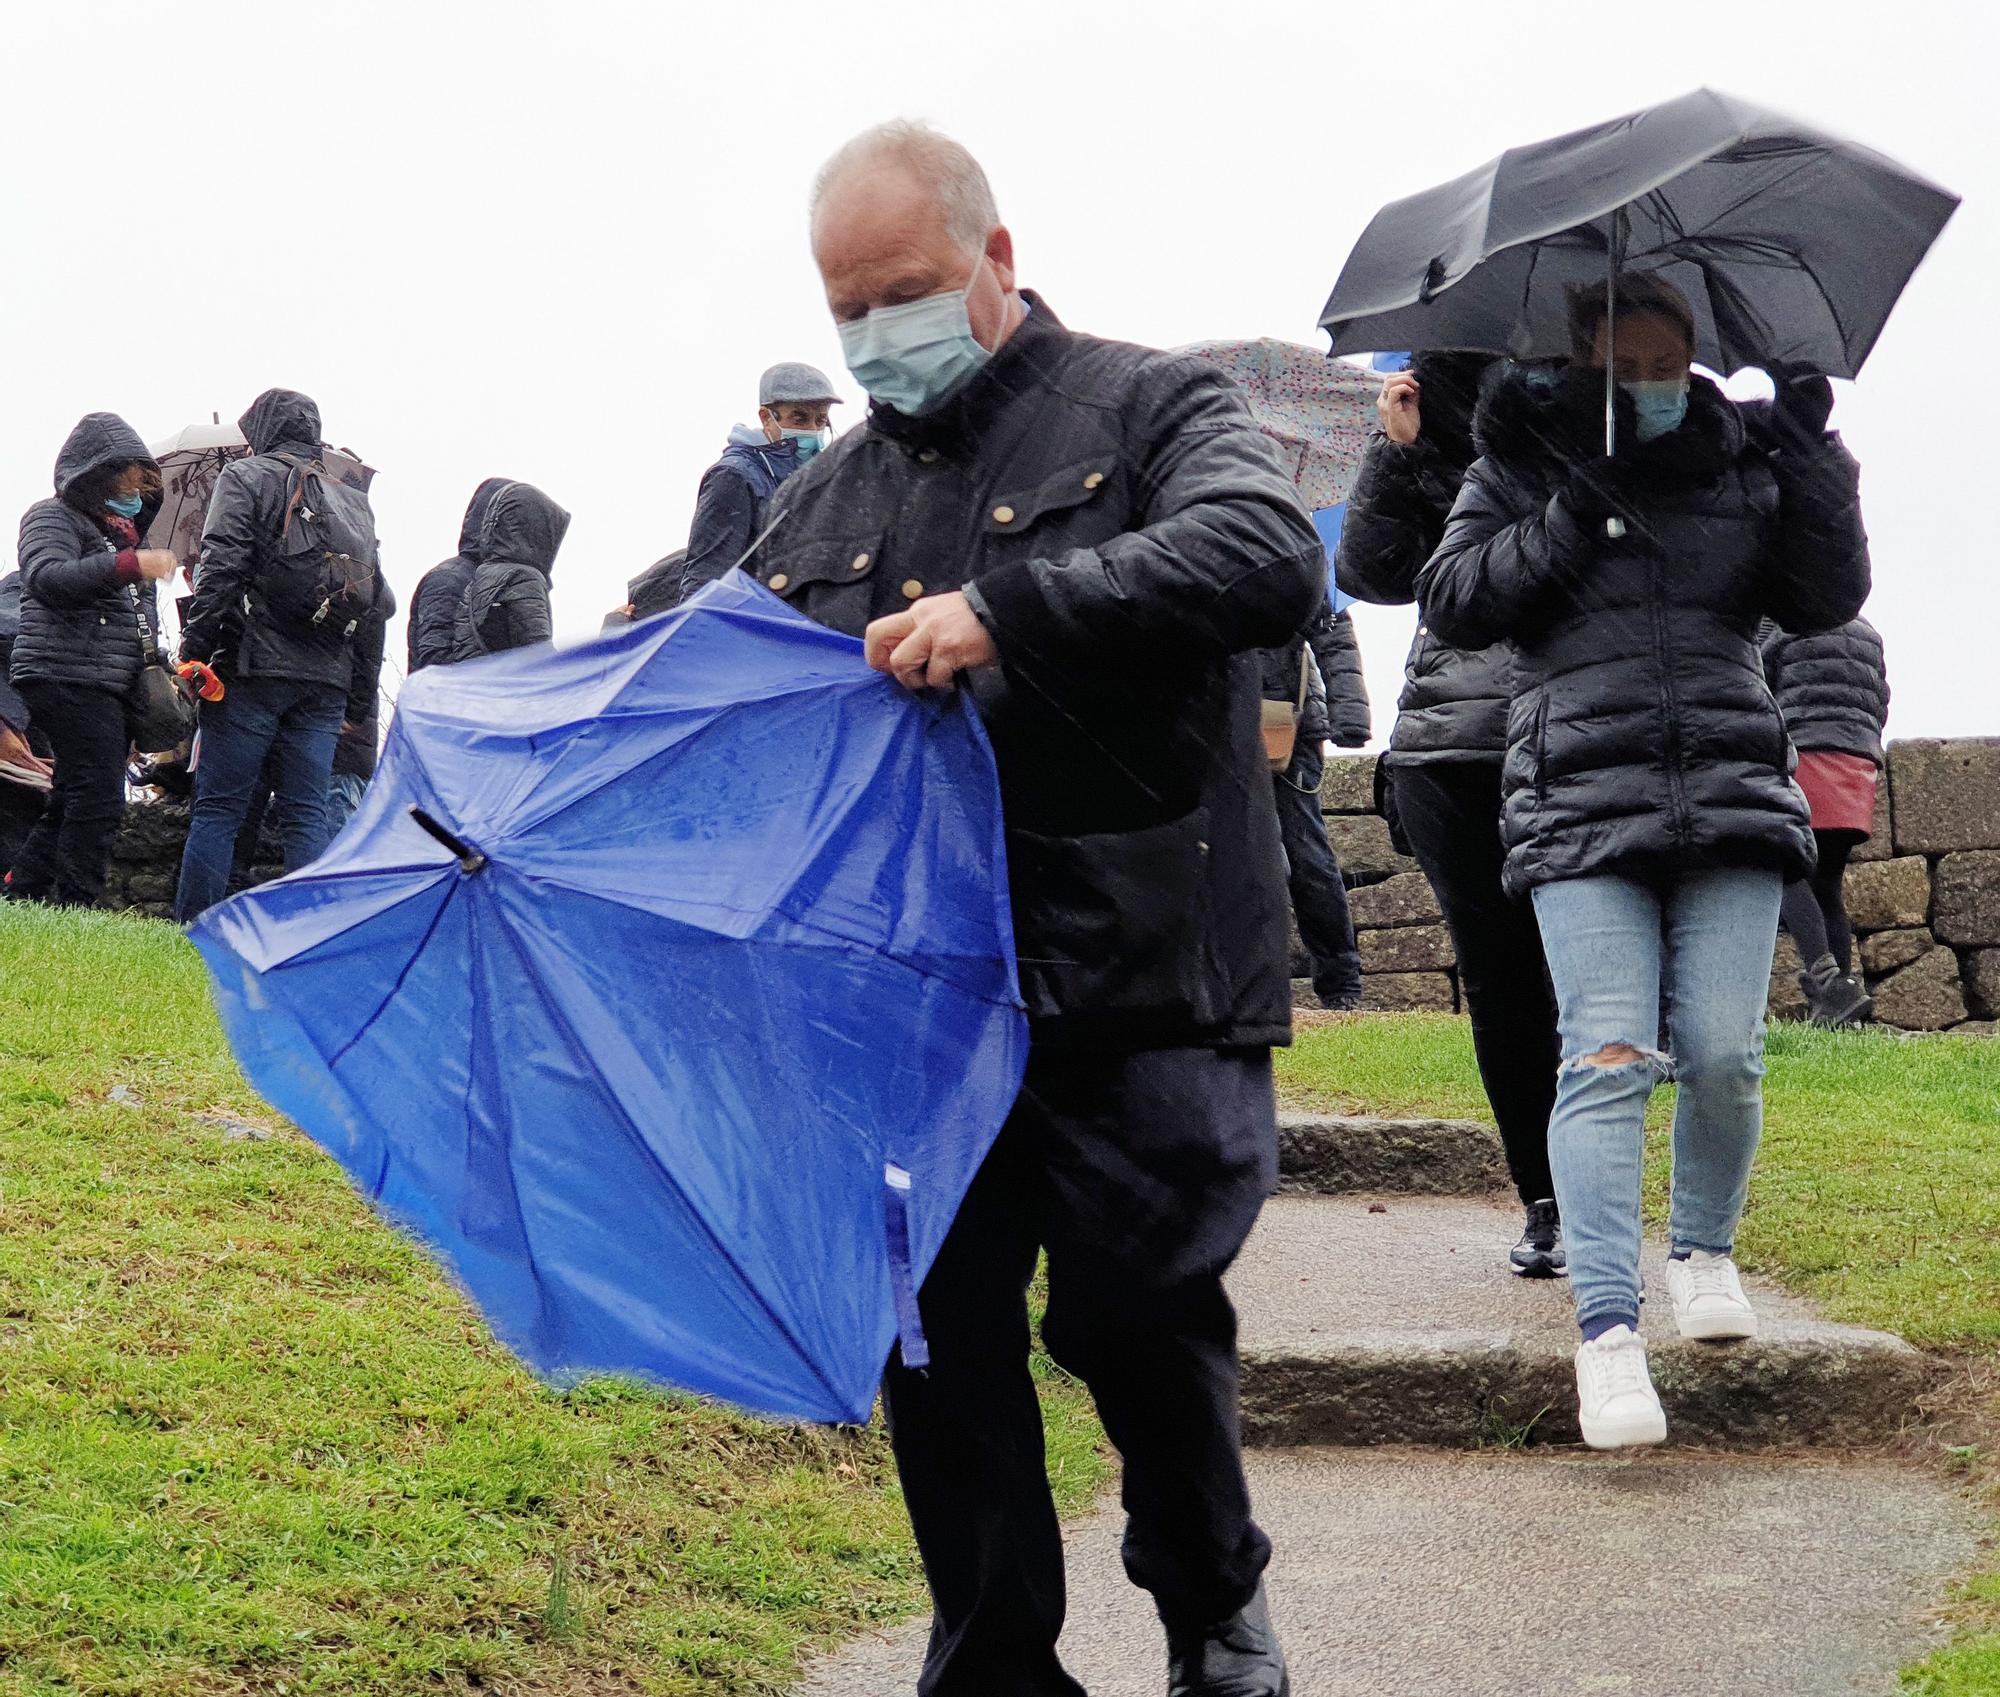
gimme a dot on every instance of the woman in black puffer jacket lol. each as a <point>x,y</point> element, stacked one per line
<point>1833,689</point>
<point>1442,770</point>
<point>1649,804</point>
<point>85,586</point>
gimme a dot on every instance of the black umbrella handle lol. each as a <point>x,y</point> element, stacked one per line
<point>470,860</point>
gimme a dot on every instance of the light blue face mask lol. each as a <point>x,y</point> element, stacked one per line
<point>1659,407</point>
<point>125,506</point>
<point>806,442</point>
<point>913,357</point>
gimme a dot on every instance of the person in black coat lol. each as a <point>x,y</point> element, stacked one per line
<point>440,592</point>
<point>86,589</point>
<point>1319,672</point>
<point>1093,539</point>
<point>1649,806</point>
<point>290,679</point>
<point>506,601</point>
<point>1833,689</point>
<point>1441,775</point>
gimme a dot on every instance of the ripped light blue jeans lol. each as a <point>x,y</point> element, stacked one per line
<point>1619,951</point>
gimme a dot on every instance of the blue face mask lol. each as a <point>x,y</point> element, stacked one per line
<point>125,506</point>
<point>913,357</point>
<point>806,442</point>
<point>1660,407</point>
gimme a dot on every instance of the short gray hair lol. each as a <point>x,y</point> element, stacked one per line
<point>943,166</point>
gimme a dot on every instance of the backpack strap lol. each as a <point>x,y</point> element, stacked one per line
<point>296,490</point>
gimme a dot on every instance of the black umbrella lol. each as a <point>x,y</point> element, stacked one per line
<point>1791,245</point>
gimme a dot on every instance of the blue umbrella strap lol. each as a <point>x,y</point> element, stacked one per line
<point>902,1279</point>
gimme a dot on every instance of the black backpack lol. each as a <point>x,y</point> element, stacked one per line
<point>324,579</point>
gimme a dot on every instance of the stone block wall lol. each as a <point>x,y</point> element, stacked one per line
<point>1923,894</point>
<point>146,859</point>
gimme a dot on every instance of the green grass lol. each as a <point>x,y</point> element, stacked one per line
<point>1877,1193</point>
<point>252,1441</point>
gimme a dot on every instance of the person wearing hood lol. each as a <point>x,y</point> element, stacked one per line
<point>1649,808</point>
<point>794,413</point>
<point>1441,775</point>
<point>440,592</point>
<point>506,601</point>
<point>264,586</point>
<point>86,592</point>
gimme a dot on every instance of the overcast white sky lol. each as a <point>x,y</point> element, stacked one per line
<point>558,242</point>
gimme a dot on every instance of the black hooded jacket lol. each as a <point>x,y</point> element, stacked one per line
<point>1644,741</point>
<point>1126,534</point>
<point>506,603</point>
<point>226,624</point>
<point>80,609</point>
<point>1454,701</point>
<point>1336,706</point>
<point>1832,687</point>
<point>440,592</point>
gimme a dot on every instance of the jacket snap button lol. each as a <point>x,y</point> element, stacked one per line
<point>861,562</point>
<point>1003,515</point>
<point>1093,480</point>
<point>780,581</point>
<point>912,590</point>
<point>928,456</point>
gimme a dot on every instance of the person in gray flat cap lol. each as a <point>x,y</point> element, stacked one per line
<point>794,411</point>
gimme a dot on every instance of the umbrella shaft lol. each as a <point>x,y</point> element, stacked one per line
<point>469,858</point>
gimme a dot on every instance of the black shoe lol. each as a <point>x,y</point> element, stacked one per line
<point>1238,1658</point>
<point>1341,1001</point>
<point>1834,997</point>
<point>1539,1254</point>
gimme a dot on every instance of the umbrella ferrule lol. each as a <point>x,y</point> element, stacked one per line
<point>470,860</point>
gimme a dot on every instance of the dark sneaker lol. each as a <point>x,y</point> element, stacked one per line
<point>1539,1254</point>
<point>1341,1001</point>
<point>1237,1658</point>
<point>1834,997</point>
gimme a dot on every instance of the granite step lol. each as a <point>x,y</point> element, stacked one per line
<point>1337,1154</point>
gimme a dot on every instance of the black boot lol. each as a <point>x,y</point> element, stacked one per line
<point>1237,1658</point>
<point>1540,1254</point>
<point>1834,997</point>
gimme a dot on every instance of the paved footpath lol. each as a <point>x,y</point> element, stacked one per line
<point>1770,1550</point>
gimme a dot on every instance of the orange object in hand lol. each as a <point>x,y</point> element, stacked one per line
<point>201,678</point>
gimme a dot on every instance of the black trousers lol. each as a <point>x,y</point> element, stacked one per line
<point>1449,812</point>
<point>1815,908</point>
<point>66,854</point>
<point>1140,1175</point>
<point>1319,893</point>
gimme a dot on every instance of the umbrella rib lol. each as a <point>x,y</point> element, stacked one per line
<point>409,965</point>
<point>631,1127</point>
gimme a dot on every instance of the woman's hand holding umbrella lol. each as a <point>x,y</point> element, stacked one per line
<point>1397,406</point>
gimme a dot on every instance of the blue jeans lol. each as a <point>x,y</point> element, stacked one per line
<point>343,796</point>
<point>295,722</point>
<point>1617,949</point>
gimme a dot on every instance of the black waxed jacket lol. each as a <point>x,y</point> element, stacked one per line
<point>1644,742</point>
<point>1129,539</point>
<point>79,616</point>
<point>506,604</point>
<point>1832,687</point>
<point>440,592</point>
<point>226,625</point>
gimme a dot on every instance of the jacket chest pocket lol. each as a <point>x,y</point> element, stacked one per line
<point>1076,507</point>
<point>835,581</point>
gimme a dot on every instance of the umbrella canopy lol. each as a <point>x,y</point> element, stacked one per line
<point>1790,244</point>
<point>1319,411</point>
<point>681,1018</point>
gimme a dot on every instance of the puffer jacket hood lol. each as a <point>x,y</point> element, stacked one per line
<point>1643,741</point>
<point>101,442</point>
<point>280,418</point>
<point>522,527</point>
<point>440,592</point>
<point>474,527</point>
<point>1832,687</point>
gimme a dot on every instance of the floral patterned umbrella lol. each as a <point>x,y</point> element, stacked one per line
<point>1318,410</point>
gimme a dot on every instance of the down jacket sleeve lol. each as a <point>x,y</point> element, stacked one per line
<point>1225,559</point>
<point>365,684</point>
<point>239,516</point>
<point>1395,515</point>
<point>1820,571</point>
<point>52,571</point>
<point>1495,574</point>
<point>521,609</point>
<point>1338,652</point>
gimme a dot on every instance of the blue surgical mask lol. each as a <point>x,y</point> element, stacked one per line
<point>1659,407</point>
<point>807,442</point>
<point>913,357</point>
<point>125,506</point>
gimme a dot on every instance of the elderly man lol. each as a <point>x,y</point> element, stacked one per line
<point>1092,539</point>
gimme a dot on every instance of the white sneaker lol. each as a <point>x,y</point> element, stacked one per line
<point>1708,1297</point>
<point>1617,1404</point>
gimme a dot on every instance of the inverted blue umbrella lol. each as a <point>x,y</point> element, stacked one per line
<point>665,987</point>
